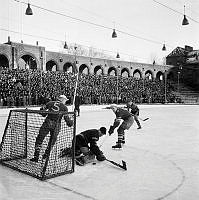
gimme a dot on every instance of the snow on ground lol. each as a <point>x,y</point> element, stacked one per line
<point>162,161</point>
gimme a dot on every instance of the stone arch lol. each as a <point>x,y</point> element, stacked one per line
<point>84,69</point>
<point>27,61</point>
<point>69,67</point>
<point>125,72</point>
<point>160,76</point>
<point>4,62</point>
<point>112,71</point>
<point>98,70</point>
<point>51,65</point>
<point>149,75</point>
<point>137,74</point>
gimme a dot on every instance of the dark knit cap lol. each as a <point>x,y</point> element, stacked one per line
<point>103,130</point>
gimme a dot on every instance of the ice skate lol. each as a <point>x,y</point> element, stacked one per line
<point>36,156</point>
<point>117,146</point>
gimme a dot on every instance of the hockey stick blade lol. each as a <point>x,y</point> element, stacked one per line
<point>145,119</point>
<point>123,166</point>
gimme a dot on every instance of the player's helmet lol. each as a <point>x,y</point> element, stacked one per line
<point>103,130</point>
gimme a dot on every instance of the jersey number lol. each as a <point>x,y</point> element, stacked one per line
<point>55,107</point>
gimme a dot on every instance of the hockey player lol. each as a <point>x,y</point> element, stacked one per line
<point>127,121</point>
<point>133,108</point>
<point>86,146</point>
<point>50,124</point>
<point>77,104</point>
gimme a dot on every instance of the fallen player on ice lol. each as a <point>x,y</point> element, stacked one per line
<point>86,148</point>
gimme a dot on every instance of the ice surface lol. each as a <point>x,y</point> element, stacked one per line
<point>162,161</point>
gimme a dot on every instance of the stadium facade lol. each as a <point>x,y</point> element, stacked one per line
<point>181,63</point>
<point>24,56</point>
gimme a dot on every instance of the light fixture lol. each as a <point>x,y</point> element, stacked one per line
<point>164,47</point>
<point>118,55</point>
<point>114,34</point>
<point>29,10</point>
<point>185,20</point>
<point>65,45</point>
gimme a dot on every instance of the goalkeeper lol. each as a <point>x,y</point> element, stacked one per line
<point>51,122</point>
<point>86,147</point>
<point>127,121</point>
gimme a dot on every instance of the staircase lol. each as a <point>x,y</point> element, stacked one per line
<point>187,94</point>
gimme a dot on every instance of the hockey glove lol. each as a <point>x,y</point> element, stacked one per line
<point>100,157</point>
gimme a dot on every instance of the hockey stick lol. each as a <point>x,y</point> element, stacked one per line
<point>132,114</point>
<point>144,119</point>
<point>123,166</point>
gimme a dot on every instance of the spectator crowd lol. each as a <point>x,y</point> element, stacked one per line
<point>35,87</point>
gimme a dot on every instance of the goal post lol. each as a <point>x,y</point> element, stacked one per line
<point>18,144</point>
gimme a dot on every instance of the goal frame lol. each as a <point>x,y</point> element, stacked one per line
<point>42,176</point>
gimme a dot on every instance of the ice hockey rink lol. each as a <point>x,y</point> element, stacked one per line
<point>162,160</point>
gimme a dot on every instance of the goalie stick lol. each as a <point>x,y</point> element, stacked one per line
<point>68,152</point>
<point>123,166</point>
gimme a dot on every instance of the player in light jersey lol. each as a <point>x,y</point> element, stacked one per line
<point>127,121</point>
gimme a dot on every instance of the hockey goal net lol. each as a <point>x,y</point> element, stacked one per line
<point>18,144</point>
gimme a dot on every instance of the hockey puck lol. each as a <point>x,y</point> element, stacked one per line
<point>94,163</point>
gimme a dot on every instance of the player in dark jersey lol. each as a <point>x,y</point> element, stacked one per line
<point>51,122</point>
<point>77,104</point>
<point>133,108</point>
<point>86,146</point>
<point>127,121</point>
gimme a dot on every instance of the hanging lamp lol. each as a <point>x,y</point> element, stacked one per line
<point>164,47</point>
<point>185,20</point>
<point>29,10</point>
<point>65,45</point>
<point>114,34</point>
<point>118,56</point>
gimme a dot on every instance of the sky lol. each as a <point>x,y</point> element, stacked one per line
<point>142,26</point>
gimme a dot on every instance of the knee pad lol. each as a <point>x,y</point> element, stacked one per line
<point>84,150</point>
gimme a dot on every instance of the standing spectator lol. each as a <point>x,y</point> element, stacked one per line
<point>77,104</point>
<point>133,108</point>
